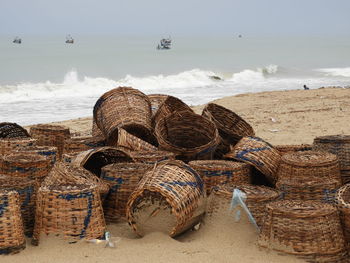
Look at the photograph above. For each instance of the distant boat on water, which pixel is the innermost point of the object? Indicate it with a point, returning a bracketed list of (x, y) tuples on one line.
[(17, 40), (69, 39), (165, 43)]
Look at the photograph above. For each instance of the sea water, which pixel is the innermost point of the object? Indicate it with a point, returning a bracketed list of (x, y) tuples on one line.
[(44, 79)]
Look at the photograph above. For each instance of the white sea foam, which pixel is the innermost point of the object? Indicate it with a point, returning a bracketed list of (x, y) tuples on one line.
[(336, 72)]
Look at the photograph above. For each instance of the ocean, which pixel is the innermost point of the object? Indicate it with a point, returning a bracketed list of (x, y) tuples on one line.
[(44, 79)]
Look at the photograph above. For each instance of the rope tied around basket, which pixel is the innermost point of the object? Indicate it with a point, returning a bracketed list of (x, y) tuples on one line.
[(238, 199), (241, 155), (89, 196), (3, 205), (228, 174)]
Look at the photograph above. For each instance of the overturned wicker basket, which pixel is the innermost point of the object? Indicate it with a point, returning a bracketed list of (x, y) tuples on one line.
[(218, 172), (169, 199), (259, 153), (79, 144), (49, 152), (131, 142), (9, 145), (307, 228), (11, 227), (188, 135), (151, 157), (122, 179), (12, 130)]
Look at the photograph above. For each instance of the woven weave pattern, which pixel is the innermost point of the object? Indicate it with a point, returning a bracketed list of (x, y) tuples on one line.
[(151, 157), (9, 145), (12, 130), (217, 172), (171, 196), (343, 203), (49, 152), (79, 144), (287, 148), (11, 226), (131, 142)]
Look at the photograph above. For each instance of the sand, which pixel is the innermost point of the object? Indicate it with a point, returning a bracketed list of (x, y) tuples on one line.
[(280, 117)]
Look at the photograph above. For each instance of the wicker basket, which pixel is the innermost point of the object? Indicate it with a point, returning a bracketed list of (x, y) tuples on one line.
[(345, 176), (259, 153), (26, 189), (188, 135), (95, 131), (343, 203), (73, 211), (131, 142), (303, 228), (79, 144), (287, 148), (122, 179), (258, 197), (218, 172), (49, 152), (169, 199), (12, 130), (69, 157), (51, 135), (11, 227), (151, 157), (169, 105), (9, 145), (156, 100), (31, 165), (93, 160), (127, 108)]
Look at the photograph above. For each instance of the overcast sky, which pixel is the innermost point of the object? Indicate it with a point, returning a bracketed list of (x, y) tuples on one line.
[(176, 17)]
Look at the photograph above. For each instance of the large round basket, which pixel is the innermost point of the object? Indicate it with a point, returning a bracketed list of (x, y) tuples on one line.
[(188, 135), (122, 179), (151, 157), (258, 197), (73, 211), (303, 228), (156, 100), (129, 141), (168, 199), (127, 108), (169, 105), (31, 165), (287, 148), (49, 152), (50, 135), (259, 153), (79, 144), (11, 227), (9, 145), (93, 160), (25, 187), (343, 203), (218, 172), (12, 130)]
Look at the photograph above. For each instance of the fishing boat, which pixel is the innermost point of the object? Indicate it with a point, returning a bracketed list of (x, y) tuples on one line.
[(17, 40), (165, 43), (69, 39)]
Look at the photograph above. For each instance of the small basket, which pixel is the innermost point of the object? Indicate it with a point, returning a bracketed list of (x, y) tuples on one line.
[(287, 148), (259, 153), (12, 130), (73, 211), (9, 145), (127, 108), (188, 135), (129, 141), (307, 228), (50, 135), (30, 165), (25, 187), (93, 160), (11, 227), (169, 105), (257, 198), (156, 100), (122, 179), (218, 172), (79, 144), (151, 157), (169, 199), (49, 152)]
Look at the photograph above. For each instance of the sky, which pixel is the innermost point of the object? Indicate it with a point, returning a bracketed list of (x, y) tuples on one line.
[(177, 17)]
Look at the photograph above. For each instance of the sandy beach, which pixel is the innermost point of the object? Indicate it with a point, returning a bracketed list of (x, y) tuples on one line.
[(280, 117)]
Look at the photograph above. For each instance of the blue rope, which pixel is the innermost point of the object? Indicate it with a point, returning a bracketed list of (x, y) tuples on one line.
[(228, 174), (23, 170), (3, 205), (241, 155), (28, 191)]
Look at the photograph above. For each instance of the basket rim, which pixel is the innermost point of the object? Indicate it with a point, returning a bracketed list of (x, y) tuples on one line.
[(338, 138), (217, 164), (286, 158)]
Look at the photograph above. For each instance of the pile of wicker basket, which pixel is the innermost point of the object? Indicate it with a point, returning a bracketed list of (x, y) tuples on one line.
[(154, 163)]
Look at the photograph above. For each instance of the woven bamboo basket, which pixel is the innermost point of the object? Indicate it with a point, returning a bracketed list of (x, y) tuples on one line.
[(51, 135), (25, 187), (345, 176), (151, 157), (169, 105), (12, 130), (126, 108), (69, 157), (72, 211), (131, 142), (168, 199), (188, 135), (156, 100), (9, 145), (31, 165), (259, 153), (258, 197), (79, 144), (93, 160), (122, 179), (49, 152), (218, 172), (287, 148), (303, 228), (336, 144), (95, 131), (11, 226), (343, 204)]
